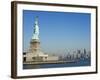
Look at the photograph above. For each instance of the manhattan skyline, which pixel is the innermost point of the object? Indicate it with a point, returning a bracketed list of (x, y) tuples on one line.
[(59, 31)]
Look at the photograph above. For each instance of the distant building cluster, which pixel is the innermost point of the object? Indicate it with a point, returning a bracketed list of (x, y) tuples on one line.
[(76, 55)]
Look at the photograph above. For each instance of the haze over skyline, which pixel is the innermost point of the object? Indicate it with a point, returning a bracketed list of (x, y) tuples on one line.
[(60, 32)]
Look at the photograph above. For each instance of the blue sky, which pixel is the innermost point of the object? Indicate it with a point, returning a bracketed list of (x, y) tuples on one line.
[(59, 31)]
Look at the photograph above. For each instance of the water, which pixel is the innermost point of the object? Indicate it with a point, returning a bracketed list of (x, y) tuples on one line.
[(86, 62)]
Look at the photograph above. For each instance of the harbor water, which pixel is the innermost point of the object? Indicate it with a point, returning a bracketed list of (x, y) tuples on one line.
[(79, 63)]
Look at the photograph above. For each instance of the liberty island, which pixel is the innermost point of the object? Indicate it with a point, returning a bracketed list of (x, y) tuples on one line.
[(34, 54)]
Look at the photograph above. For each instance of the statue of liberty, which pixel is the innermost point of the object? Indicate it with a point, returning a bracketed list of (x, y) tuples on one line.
[(36, 29)]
